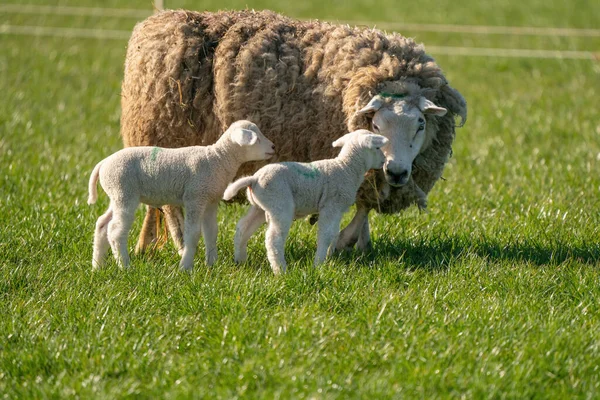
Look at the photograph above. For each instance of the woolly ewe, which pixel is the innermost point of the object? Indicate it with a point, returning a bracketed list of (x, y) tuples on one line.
[(190, 74), (284, 191), (193, 177)]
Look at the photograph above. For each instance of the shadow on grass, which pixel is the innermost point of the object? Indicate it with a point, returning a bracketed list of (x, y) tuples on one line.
[(440, 253)]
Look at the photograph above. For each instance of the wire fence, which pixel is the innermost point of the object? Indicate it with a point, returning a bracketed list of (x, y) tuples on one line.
[(96, 33)]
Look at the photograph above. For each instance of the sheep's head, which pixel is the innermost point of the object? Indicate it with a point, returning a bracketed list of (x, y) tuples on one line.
[(402, 119), (247, 135), (369, 145)]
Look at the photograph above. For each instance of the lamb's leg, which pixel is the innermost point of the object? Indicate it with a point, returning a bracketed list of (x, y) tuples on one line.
[(118, 230), (209, 232), (244, 230), (275, 237), (350, 234), (364, 237), (175, 222), (191, 234), (101, 244), (329, 227), (148, 233)]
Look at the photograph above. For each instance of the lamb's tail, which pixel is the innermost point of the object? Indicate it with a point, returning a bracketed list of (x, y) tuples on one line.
[(235, 187), (93, 190)]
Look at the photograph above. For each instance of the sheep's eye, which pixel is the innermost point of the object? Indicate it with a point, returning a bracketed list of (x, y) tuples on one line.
[(376, 127)]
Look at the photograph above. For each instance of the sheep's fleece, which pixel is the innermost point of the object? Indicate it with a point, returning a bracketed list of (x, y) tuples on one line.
[(188, 75)]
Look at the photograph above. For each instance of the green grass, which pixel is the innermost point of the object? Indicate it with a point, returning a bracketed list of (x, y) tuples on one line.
[(493, 293)]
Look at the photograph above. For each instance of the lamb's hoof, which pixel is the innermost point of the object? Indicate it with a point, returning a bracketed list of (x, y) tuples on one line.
[(186, 268), (240, 258), (279, 271)]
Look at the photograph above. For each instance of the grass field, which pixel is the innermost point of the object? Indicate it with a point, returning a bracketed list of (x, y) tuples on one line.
[(494, 293)]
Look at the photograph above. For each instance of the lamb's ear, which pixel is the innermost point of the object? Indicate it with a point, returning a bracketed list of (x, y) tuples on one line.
[(372, 141), (427, 107), (373, 105), (244, 137), (342, 141)]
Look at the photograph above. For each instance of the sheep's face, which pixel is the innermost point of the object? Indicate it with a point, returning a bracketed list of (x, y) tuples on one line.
[(403, 122), (256, 146), (369, 144)]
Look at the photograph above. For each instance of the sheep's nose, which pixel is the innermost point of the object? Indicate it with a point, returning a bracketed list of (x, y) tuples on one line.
[(273, 147), (397, 177)]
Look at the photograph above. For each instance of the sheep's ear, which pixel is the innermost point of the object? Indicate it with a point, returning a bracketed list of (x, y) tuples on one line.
[(427, 107), (373, 105), (342, 141), (372, 141), (244, 137)]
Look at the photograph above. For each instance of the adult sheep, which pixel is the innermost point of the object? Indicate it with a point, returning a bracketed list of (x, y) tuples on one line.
[(189, 75)]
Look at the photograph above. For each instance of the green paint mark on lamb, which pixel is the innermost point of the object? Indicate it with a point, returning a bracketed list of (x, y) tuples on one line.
[(306, 170), (154, 153)]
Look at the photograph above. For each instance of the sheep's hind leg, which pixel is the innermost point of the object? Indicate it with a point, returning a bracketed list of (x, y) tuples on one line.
[(275, 238), (101, 244), (118, 230), (175, 221), (148, 234), (350, 234), (191, 234), (244, 230), (329, 227), (209, 232), (364, 237)]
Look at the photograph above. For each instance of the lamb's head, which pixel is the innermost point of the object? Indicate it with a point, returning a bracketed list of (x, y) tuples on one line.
[(367, 144), (254, 144), (402, 119)]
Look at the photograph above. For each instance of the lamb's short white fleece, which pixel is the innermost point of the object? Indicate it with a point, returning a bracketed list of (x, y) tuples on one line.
[(281, 192), (193, 177)]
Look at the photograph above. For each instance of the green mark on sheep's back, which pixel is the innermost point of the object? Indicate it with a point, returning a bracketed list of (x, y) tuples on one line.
[(154, 153), (306, 170)]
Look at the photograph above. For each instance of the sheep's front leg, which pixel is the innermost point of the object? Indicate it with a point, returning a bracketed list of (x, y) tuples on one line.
[(364, 237), (244, 230), (191, 234), (350, 234), (275, 237), (209, 232), (329, 227), (175, 221)]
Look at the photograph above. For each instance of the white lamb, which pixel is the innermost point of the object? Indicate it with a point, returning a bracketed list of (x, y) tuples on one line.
[(281, 192), (193, 177)]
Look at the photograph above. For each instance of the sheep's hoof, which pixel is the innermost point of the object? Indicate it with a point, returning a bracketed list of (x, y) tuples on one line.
[(185, 268), (345, 244), (364, 247)]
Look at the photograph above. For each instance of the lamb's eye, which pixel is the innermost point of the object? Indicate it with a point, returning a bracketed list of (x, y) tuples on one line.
[(376, 127)]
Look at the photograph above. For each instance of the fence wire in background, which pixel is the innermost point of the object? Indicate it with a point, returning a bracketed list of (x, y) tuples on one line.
[(92, 33)]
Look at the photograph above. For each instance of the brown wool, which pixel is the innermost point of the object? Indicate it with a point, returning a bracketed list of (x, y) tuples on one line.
[(189, 75)]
